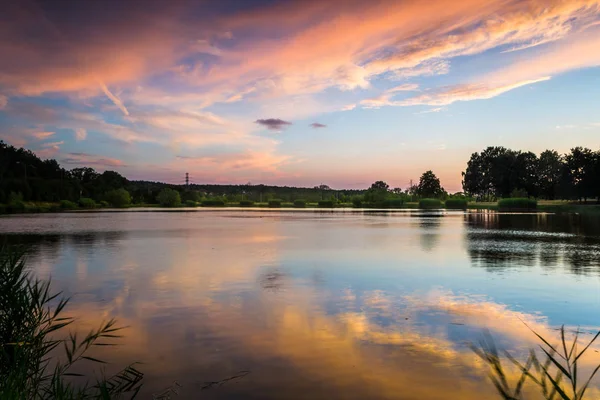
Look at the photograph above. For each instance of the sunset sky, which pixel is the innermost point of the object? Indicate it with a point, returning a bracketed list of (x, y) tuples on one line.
[(340, 92)]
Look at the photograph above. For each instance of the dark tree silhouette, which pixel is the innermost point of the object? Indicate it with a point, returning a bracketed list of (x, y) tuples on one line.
[(429, 186)]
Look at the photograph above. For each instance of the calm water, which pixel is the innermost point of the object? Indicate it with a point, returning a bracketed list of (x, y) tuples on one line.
[(312, 305)]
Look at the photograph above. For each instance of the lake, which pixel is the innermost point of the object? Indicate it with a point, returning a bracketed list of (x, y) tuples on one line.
[(318, 304)]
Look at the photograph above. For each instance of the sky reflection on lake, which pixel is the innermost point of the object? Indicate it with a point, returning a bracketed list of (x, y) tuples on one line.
[(319, 305)]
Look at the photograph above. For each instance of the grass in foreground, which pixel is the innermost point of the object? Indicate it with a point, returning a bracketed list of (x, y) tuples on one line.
[(556, 374), (29, 324)]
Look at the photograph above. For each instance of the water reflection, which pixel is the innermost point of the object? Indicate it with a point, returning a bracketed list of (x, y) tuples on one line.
[(429, 232), (497, 241), (319, 306)]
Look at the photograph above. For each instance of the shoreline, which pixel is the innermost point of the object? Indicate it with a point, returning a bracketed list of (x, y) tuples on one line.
[(554, 208)]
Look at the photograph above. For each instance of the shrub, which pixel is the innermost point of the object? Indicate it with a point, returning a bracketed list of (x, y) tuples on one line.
[(104, 203), (169, 198), (246, 203), (299, 203), (86, 202), (213, 203), (391, 203), (430, 204), (357, 202), (326, 203), (118, 198), (456, 204), (191, 203), (517, 204), (67, 205), (275, 203), (15, 202)]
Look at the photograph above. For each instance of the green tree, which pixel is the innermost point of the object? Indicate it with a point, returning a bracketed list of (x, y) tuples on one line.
[(549, 169), (579, 169), (118, 198), (429, 186), (378, 192), (168, 198)]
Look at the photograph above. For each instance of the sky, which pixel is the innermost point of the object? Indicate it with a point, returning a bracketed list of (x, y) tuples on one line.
[(338, 92)]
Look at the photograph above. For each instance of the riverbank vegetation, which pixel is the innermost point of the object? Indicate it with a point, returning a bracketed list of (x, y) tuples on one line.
[(35, 362), (554, 370), (493, 179)]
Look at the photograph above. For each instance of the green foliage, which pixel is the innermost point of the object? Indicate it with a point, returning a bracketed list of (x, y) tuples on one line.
[(246, 203), (299, 203), (191, 203), (118, 198), (456, 203), (67, 205), (15, 202), (555, 374), (357, 201), (326, 203), (168, 198), (216, 202), (429, 186), (103, 203), (430, 204), (390, 203), (30, 324), (86, 202), (377, 193), (519, 193), (517, 204), (274, 203)]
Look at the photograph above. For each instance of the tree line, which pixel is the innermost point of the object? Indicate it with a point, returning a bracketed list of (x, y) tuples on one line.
[(498, 172)]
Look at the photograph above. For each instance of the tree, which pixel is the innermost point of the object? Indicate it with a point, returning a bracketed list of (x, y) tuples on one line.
[(378, 192), (579, 170), (118, 197), (549, 171), (169, 198), (429, 186)]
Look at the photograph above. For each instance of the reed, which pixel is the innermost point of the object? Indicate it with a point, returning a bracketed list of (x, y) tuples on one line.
[(557, 374), (30, 321)]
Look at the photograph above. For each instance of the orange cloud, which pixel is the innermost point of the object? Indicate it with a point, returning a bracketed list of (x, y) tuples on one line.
[(464, 92), (43, 135), (91, 160)]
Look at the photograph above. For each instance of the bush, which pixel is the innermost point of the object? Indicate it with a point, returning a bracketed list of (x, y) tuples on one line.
[(390, 203), (15, 202), (246, 203), (456, 204), (299, 203), (67, 205), (517, 204), (213, 203), (86, 202), (275, 203), (430, 204), (103, 203), (357, 202), (326, 203), (118, 198), (169, 198), (191, 203)]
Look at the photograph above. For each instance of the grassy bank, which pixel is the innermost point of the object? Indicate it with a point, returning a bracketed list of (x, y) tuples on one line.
[(550, 206)]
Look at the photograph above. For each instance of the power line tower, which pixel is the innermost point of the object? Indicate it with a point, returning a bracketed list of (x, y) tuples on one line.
[(187, 180)]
